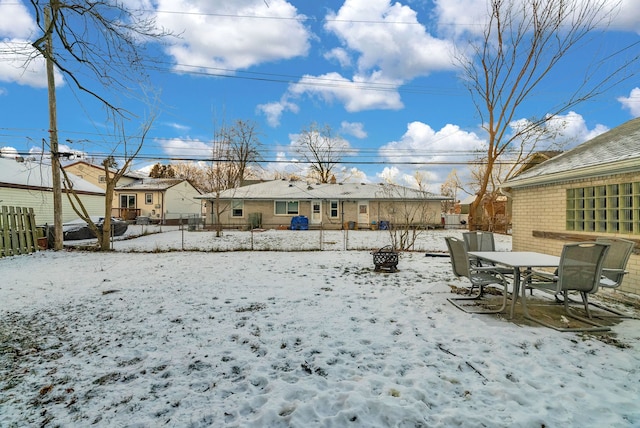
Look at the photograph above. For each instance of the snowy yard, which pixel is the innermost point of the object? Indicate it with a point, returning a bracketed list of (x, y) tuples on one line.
[(150, 336)]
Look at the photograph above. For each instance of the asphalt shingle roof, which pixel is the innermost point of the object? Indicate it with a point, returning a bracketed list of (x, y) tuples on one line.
[(38, 175), (151, 184), (598, 155), (302, 190)]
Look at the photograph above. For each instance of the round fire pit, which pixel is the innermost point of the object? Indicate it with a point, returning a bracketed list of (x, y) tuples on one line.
[(385, 259)]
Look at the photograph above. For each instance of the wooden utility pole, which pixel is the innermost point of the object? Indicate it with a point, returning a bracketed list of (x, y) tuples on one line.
[(56, 182)]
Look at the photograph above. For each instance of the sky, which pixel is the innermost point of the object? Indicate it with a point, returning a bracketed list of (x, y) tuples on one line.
[(380, 74), (148, 335)]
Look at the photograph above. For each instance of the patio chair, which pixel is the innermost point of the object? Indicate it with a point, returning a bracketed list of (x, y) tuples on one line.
[(614, 267), (479, 241), (580, 270), (615, 263), (479, 276), (482, 241)]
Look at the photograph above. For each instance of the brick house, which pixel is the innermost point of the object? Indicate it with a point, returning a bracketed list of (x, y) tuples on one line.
[(272, 204), (590, 191)]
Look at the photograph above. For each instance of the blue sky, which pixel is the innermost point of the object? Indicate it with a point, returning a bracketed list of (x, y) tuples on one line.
[(379, 73)]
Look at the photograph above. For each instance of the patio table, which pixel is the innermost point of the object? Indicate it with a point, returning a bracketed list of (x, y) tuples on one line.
[(518, 260)]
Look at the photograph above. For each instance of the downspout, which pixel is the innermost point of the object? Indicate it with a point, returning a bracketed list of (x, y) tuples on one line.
[(162, 221), (508, 209)]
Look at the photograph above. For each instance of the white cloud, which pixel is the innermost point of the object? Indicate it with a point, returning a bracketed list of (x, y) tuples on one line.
[(340, 55), (573, 129), (628, 15), (19, 64), (15, 20), (223, 35), (273, 111), (425, 148), (456, 18), (185, 147), (563, 132), (355, 129), (389, 174), (389, 40), (178, 126), (387, 47), (632, 102), (357, 95)]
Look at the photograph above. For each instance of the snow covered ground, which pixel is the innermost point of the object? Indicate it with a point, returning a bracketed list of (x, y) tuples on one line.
[(151, 336)]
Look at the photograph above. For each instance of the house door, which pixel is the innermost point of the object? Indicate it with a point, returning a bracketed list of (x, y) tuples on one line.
[(128, 207), (363, 214), (316, 212)]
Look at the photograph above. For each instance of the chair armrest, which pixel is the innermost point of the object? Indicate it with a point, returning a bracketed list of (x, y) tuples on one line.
[(540, 280), (615, 271), (542, 275)]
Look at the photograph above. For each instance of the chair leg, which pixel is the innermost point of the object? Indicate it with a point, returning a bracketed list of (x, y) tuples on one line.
[(585, 300), (454, 302), (594, 326)]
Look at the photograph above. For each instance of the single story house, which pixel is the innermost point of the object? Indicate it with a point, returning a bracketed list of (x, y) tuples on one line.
[(273, 204), (590, 191), (28, 183), (163, 200)]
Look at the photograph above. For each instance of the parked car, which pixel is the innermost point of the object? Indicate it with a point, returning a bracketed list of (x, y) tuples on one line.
[(79, 229)]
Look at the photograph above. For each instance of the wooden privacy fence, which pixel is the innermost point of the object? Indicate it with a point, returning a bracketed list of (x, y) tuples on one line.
[(18, 231)]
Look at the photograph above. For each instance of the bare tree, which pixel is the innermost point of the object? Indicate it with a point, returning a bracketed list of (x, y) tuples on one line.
[(112, 172), (450, 188), (409, 212), (219, 175), (95, 45), (523, 43), (235, 150), (321, 150), (245, 145), (193, 172)]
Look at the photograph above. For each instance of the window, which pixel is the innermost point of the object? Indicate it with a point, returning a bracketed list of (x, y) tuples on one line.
[(102, 179), (333, 209), (613, 208), (127, 201), (148, 198), (237, 208), (286, 207)]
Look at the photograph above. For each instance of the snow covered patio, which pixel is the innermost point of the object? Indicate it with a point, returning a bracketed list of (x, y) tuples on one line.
[(287, 339)]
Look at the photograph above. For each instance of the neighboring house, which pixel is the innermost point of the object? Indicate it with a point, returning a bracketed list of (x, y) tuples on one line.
[(592, 190), (28, 184), (163, 200), (328, 205), (95, 174)]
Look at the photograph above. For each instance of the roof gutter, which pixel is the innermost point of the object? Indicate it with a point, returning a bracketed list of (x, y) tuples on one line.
[(619, 167)]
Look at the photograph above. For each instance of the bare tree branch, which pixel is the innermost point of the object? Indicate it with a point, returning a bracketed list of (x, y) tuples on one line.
[(523, 43)]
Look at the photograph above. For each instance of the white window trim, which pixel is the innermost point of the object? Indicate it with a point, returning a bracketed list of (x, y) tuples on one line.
[(337, 208), (275, 211), (234, 205)]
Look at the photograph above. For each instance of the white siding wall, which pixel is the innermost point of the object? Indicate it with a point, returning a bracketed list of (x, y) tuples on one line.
[(42, 203), (179, 201)]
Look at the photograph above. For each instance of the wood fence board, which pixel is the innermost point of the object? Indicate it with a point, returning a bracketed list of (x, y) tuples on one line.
[(18, 231)]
